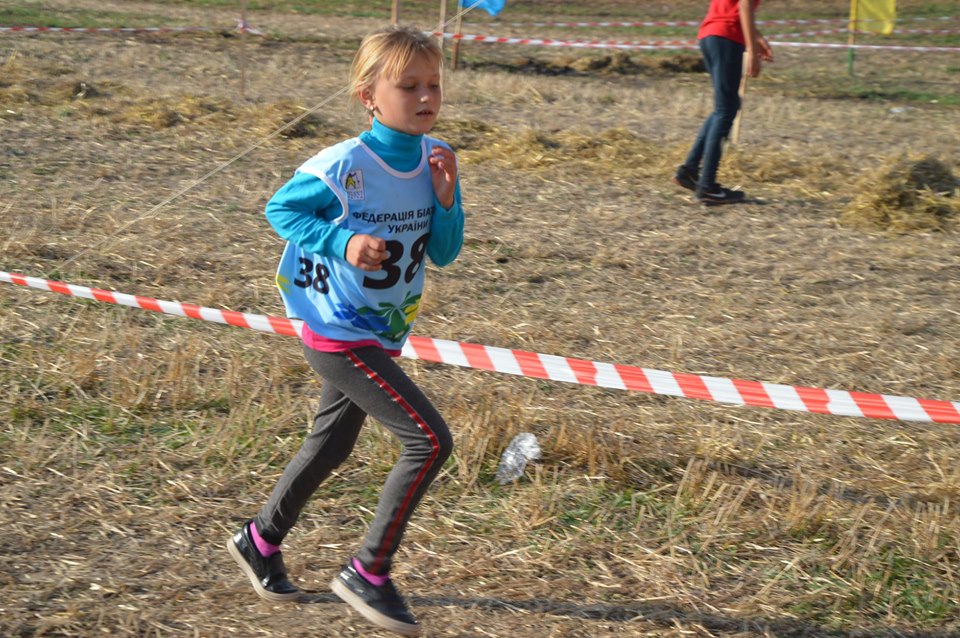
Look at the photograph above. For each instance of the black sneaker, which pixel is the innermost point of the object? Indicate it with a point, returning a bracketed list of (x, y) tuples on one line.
[(717, 194), (268, 575), (383, 605), (685, 177)]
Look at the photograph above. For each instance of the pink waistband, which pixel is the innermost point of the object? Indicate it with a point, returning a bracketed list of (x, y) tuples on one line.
[(324, 344)]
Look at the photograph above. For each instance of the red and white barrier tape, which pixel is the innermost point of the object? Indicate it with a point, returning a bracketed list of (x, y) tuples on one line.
[(901, 18), (99, 29), (579, 44), (687, 44), (671, 44), (691, 23), (643, 23), (811, 34), (570, 370), (240, 319), (875, 47), (241, 26)]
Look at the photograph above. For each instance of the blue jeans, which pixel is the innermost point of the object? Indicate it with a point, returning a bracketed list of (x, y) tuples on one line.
[(724, 62)]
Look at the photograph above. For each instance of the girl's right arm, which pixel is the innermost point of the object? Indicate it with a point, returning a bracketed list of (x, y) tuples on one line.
[(301, 212)]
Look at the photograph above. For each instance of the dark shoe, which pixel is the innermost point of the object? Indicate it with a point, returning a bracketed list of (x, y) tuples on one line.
[(268, 575), (685, 177), (717, 194), (383, 605)]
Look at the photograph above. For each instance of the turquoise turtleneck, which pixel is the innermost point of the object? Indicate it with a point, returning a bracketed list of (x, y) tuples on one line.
[(399, 150), (301, 209)]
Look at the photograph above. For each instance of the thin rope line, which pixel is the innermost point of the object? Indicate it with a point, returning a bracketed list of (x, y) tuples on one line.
[(200, 180)]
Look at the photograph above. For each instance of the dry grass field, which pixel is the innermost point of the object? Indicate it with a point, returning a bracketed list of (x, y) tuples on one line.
[(133, 444)]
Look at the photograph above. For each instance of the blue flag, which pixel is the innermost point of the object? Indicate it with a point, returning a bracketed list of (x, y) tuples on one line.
[(493, 7)]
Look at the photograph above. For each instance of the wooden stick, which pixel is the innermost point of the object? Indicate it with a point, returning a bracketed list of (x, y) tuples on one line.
[(442, 27), (395, 12), (852, 37), (742, 91), (455, 56)]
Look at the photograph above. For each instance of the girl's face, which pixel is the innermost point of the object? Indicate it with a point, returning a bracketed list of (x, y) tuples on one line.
[(409, 103)]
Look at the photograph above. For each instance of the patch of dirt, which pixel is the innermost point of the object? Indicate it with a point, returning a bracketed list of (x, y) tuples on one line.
[(619, 64)]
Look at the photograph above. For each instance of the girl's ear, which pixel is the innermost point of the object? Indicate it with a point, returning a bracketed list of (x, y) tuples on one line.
[(366, 98)]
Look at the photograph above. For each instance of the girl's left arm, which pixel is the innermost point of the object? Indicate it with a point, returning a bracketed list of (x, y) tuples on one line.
[(446, 230)]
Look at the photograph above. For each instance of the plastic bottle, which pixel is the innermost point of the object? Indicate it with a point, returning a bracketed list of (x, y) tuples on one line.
[(522, 448)]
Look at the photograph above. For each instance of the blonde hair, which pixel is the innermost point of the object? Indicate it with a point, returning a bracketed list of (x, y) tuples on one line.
[(386, 52)]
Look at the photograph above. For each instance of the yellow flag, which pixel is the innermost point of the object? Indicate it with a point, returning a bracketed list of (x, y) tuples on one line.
[(873, 16)]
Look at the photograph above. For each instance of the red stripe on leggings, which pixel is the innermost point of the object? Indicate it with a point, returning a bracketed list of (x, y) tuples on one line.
[(386, 387)]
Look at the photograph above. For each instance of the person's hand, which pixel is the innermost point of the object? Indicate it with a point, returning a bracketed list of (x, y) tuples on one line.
[(366, 252), (759, 51), (763, 47), (443, 172)]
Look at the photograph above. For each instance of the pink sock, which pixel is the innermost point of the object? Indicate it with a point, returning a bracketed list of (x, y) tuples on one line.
[(373, 579), (266, 549)]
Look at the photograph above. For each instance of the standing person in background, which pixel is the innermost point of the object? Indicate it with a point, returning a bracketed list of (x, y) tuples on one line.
[(727, 32), (360, 218)]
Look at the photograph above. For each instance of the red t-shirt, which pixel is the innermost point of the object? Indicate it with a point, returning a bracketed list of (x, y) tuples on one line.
[(723, 19)]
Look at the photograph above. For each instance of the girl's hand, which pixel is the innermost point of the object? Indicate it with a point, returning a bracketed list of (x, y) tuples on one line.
[(443, 172), (366, 252)]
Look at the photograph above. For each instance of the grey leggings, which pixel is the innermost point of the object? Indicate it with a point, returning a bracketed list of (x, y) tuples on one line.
[(357, 383)]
